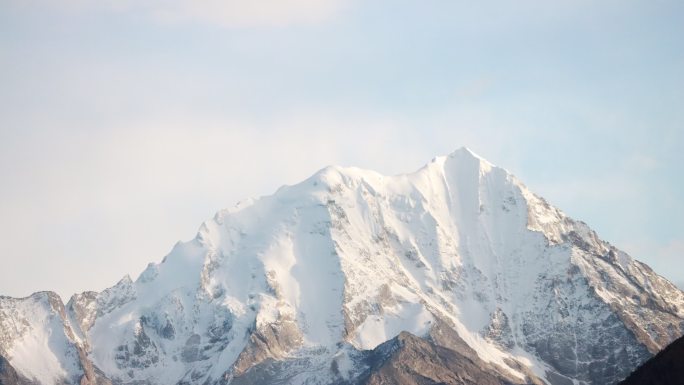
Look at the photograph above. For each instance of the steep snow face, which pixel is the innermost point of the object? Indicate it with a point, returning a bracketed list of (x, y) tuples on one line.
[(36, 340), (346, 260)]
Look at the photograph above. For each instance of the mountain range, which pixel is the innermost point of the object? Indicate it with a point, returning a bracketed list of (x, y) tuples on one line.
[(453, 274)]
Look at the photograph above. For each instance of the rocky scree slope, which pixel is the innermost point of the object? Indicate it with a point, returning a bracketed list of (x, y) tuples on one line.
[(455, 274)]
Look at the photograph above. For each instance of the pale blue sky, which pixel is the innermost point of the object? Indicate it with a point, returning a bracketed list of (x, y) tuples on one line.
[(125, 124)]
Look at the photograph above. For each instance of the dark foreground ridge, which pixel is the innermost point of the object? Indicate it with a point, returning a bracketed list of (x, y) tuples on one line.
[(666, 368)]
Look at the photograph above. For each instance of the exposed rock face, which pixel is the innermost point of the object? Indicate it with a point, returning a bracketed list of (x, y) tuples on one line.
[(441, 357), (666, 368), (499, 330), (316, 283), (408, 360), (82, 308), (40, 345), (9, 376), (272, 341)]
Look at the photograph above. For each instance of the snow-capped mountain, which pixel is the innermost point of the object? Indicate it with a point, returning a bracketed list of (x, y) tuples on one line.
[(455, 273)]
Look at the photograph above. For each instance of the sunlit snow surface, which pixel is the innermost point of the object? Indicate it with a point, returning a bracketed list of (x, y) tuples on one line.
[(347, 259), (39, 343)]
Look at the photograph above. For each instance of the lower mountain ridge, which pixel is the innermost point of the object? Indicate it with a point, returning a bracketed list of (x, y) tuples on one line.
[(453, 274)]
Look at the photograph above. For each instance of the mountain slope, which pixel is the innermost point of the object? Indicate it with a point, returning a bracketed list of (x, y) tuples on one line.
[(8, 375), (666, 368), (37, 337), (313, 279)]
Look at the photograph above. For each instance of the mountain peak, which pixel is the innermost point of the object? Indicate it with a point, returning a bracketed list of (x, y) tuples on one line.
[(464, 151), (323, 272)]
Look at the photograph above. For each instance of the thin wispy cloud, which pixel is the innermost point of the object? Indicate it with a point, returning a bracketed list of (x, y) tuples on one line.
[(223, 13)]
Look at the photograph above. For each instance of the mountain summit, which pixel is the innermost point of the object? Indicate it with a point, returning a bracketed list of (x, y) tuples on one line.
[(455, 273)]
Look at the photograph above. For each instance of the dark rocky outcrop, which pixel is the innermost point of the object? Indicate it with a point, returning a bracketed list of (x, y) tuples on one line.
[(441, 357), (270, 341), (410, 360), (666, 368), (91, 374)]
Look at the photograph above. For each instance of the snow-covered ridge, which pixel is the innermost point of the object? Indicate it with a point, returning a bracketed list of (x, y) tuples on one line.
[(36, 337), (324, 270)]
